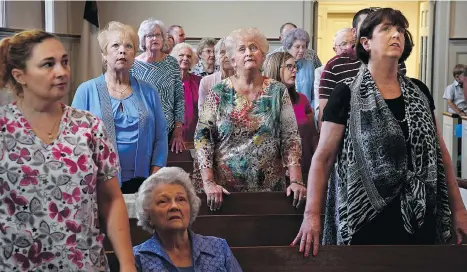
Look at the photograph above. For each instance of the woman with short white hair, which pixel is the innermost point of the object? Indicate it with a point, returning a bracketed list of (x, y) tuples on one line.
[(166, 206), (247, 132), (186, 58), (162, 71)]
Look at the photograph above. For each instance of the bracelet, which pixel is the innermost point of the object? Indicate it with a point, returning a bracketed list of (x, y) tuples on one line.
[(209, 181), (298, 182)]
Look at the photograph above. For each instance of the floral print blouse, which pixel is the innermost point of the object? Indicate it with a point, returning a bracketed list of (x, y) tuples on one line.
[(248, 144), (48, 199)]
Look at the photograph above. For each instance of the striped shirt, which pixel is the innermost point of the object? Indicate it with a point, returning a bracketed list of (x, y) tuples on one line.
[(165, 76), (310, 55), (340, 68)]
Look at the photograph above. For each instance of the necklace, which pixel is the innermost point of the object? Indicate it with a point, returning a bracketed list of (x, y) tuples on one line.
[(50, 133), (120, 92)]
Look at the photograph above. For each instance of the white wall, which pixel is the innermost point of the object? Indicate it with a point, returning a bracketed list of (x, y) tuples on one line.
[(24, 14), (458, 19), (210, 18)]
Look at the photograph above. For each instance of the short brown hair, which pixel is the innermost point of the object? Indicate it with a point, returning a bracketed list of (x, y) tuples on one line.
[(15, 51), (458, 70), (394, 17)]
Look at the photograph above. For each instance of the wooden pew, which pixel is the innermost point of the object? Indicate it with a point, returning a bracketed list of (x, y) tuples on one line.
[(238, 230), (246, 219), (253, 204), (183, 160), (355, 259), (348, 259)]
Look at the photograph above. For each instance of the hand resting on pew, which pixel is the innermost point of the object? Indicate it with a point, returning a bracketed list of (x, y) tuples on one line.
[(388, 186)]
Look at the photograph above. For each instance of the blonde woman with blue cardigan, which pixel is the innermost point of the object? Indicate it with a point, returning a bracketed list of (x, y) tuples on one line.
[(130, 108)]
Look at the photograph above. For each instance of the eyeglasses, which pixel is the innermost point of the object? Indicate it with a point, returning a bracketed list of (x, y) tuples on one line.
[(209, 51), (290, 67), (345, 43), (157, 36)]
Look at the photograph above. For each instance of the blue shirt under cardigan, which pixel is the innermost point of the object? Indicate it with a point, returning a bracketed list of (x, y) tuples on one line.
[(305, 79), (126, 119), (152, 145), (210, 254)]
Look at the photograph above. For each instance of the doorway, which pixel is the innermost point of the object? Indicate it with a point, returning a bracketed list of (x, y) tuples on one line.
[(333, 15)]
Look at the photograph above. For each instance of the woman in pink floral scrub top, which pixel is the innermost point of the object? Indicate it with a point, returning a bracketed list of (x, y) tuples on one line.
[(57, 168)]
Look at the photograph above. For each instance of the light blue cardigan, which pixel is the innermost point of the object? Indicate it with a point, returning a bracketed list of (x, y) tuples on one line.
[(152, 145)]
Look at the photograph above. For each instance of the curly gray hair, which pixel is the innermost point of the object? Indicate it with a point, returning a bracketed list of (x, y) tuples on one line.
[(147, 27), (166, 175), (178, 47), (295, 34), (245, 34)]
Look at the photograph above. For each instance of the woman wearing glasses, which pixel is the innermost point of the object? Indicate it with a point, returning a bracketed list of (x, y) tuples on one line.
[(296, 42), (162, 71), (281, 66), (247, 132), (205, 52)]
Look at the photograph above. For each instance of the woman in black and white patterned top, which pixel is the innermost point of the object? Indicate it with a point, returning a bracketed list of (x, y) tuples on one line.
[(393, 181), (162, 70)]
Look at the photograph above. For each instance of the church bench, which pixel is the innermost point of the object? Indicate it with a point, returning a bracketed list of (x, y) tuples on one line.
[(355, 259), (245, 219), (238, 230), (183, 160), (347, 259), (253, 204)]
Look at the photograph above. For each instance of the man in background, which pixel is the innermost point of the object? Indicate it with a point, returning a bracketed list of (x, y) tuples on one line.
[(344, 40), (177, 33), (344, 66)]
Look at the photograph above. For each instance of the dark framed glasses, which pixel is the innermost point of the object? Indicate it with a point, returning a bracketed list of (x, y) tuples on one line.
[(290, 67)]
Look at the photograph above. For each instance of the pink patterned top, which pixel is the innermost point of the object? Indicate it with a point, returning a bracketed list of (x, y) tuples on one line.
[(48, 199)]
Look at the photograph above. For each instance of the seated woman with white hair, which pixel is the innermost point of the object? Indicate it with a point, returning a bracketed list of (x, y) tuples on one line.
[(166, 206), (186, 58), (247, 133)]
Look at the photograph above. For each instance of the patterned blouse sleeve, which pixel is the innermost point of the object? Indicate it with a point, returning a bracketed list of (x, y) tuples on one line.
[(291, 146), (231, 263), (205, 131), (179, 98), (104, 154)]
